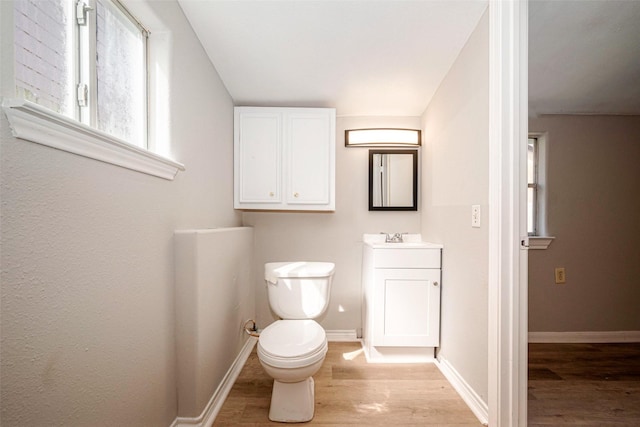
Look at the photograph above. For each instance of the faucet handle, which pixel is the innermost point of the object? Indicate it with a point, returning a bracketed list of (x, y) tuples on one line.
[(388, 237), (397, 237)]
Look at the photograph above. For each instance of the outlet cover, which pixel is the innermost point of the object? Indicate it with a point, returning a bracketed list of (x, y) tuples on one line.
[(560, 275), (475, 216)]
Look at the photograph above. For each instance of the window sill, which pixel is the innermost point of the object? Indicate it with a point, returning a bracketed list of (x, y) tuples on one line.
[(34, 123), (540, 242)]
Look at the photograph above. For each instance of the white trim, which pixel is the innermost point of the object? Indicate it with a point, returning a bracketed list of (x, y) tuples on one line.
[(478, 406), (540, 242), (375, 354), (342, 335), (507, 292), (585, 337), (34, 123), (210, 412)]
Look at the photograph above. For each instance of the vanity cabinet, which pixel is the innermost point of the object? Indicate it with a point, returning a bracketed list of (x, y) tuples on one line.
[(401, 310), (284, 158)]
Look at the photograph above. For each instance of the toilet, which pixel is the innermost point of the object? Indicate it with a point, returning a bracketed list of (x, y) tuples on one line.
[(291, 350)]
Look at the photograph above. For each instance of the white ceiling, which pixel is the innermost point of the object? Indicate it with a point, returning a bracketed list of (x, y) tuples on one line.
[(375, 57), (584, 57), (388, 57)]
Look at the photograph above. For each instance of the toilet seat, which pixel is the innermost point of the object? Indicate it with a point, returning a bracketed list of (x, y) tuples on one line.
[(292, 343)]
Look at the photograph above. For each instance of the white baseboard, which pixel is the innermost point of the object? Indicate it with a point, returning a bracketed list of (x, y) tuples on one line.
[(584, 337), (479, 407), (210, 412), (342, 335)]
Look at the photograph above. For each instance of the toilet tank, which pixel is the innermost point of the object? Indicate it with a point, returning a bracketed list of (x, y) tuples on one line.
[(298, 290)]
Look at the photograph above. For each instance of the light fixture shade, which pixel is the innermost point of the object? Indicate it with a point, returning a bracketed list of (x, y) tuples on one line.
[(382, 137)]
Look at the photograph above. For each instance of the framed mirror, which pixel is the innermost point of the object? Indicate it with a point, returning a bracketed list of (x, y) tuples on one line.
[(393, 180)]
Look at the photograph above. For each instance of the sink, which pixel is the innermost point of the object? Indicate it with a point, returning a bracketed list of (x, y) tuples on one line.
[(401, 299), (411, 241)]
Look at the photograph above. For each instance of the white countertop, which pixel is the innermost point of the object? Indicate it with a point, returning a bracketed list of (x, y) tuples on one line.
[(410, 241)]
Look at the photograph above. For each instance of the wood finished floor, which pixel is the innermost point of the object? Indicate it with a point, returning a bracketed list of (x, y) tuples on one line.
[(349, 392), (584, 384)]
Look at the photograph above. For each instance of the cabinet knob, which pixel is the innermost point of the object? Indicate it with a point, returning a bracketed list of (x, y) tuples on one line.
[(295, 194), (435, 283), (271, 194)]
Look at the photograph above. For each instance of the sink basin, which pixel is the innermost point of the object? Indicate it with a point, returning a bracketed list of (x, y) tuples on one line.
[(411, 241)]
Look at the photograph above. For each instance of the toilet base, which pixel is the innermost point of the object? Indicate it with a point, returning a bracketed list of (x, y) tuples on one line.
[(292, 402)]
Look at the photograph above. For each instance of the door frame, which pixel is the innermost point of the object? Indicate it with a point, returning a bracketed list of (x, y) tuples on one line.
[(507, 293)]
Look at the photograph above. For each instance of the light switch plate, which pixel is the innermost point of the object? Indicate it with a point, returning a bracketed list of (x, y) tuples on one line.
[(475, 216)]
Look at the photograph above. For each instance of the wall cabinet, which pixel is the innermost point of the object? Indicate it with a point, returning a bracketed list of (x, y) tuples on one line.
[(401, 285), (284, 158)]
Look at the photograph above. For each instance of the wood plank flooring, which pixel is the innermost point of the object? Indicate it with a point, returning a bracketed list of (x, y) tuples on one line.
[(584, 384), (349, 391)]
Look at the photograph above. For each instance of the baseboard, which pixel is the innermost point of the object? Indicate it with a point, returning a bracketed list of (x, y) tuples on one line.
[(584, 337), (342, 335), (479, 407), (210, 412)]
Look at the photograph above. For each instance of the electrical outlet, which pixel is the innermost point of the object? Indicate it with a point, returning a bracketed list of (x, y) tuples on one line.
[(475, 216), (560, 275)]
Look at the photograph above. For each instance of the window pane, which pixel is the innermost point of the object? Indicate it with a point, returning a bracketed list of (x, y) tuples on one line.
[(121, 71), (531, 159), (532, 181), (43, 53), (531, 210)]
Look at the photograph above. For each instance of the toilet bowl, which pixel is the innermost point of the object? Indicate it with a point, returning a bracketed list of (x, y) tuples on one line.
[(292, 350)]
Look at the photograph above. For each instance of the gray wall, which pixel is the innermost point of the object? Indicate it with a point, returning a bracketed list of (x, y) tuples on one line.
[(87, 297), (214, 296), (593, 176), (455, 177)]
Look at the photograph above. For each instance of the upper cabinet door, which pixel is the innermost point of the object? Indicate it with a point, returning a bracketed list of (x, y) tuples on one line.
[(310, 150), (257, 157), (284, 158)]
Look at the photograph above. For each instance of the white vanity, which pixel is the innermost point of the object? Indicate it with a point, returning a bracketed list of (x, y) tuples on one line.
[(401, 307)]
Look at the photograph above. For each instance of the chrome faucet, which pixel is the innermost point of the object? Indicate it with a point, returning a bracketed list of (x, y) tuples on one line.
[(395, 238)]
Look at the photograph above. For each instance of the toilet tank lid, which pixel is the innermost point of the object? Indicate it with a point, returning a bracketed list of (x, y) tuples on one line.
[(275, 270)]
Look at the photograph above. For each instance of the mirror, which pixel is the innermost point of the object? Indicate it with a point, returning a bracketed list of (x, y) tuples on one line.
[(393, 180)]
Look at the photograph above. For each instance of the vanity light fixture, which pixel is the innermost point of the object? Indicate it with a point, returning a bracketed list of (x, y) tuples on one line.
[(382, 137)]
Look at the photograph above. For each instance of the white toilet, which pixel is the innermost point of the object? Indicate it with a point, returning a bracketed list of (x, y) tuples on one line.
[(291, 350)]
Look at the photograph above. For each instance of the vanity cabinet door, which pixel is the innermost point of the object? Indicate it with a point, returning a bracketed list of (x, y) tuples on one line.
[(407, 308)]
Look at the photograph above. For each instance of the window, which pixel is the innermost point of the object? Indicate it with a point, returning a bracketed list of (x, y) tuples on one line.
[(81, 81), (43, 53), (85, 60), (532, 186), (536, 192)]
